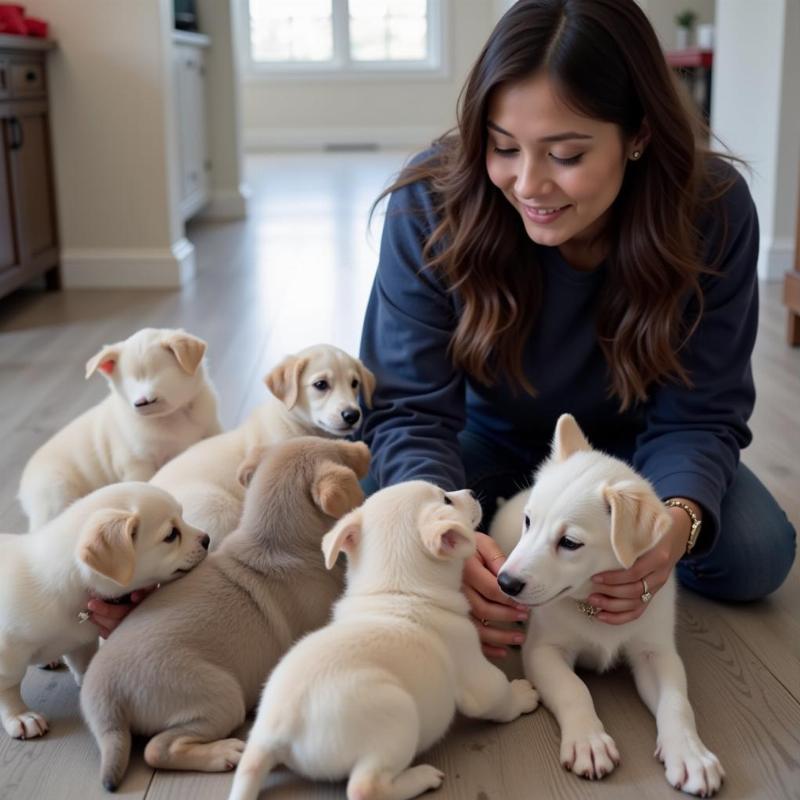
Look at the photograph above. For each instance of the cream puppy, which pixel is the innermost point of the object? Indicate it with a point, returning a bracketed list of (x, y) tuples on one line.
[(117, 539), (315, 392), (382, 682), (160, 402), (191, 662), (588, 513)]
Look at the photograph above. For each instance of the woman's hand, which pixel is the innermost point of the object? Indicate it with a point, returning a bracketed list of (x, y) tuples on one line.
[(108, 615), (487, 601), (619, 593)]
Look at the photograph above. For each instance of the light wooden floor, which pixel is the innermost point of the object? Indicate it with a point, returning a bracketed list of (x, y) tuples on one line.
[(298, 271)]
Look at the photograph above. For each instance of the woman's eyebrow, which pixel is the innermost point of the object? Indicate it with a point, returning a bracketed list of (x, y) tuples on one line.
[(556, 137)]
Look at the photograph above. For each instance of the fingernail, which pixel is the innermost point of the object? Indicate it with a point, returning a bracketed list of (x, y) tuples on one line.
[(522, 617), (522, 608), (91, 605), (518, 638), (598, 579)]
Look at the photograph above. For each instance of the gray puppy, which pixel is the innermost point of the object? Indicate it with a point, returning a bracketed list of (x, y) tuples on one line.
[(187, 665)]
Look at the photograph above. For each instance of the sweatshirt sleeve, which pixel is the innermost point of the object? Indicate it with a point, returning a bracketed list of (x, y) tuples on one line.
[(418, 404), (692, 437)]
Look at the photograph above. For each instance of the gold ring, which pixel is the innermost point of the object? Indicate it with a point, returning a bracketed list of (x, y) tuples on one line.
[(485, 622), (502, 555), (589, 610), (646, 595)]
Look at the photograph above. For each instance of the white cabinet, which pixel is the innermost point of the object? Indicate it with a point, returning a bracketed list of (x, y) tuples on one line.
[(190, 105)]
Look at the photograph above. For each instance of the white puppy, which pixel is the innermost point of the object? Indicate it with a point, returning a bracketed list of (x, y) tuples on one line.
[(381, 683), (161, 402), (588, 513), (118, 539), (315, 392)]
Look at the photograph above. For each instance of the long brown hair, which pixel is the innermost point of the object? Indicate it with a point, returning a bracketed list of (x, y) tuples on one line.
[(605, 61)]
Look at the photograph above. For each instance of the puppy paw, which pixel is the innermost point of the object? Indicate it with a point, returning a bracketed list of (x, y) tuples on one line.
[(225, 755), (424, 777), (589, 754), (526, 698), (28, 725), (690, 766)]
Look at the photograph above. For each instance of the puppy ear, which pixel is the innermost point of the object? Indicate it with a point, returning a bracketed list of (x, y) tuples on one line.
[(447, 539), (105, 360), (248, 467), (106, 544), (187, 349), (638, 519), (367, 384), (357, 456), (344, 535), (336, 489), (284, 380), (568, 438)]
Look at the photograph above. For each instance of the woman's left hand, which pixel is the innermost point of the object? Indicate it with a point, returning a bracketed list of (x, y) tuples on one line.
[(618, 594)]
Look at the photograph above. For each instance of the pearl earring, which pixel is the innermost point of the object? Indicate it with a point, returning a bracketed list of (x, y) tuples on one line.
[(636, 155)]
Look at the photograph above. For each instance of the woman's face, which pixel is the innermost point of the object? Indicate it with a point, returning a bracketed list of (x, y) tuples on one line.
[(561, 171)]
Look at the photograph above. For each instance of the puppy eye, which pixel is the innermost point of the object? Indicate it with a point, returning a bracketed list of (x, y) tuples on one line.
[(447, 501), (527, 522), (173, 535), (569, 544), (320, 386), (354, 384)]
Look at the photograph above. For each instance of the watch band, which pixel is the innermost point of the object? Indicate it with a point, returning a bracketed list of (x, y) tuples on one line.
[(697, 523)]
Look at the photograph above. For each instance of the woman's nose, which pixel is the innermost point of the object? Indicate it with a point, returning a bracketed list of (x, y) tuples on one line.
[(533, 181)]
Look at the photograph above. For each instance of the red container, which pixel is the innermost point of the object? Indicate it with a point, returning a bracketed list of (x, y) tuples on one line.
[(12, 19), (36, 27)]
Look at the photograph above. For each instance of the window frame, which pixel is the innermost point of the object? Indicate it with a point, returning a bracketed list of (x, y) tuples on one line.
[(342, 67)]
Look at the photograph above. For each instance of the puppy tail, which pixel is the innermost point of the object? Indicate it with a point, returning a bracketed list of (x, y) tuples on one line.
[(115, 753), (259, 758)]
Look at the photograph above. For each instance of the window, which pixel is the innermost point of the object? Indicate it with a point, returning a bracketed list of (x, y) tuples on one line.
[(344, 36)]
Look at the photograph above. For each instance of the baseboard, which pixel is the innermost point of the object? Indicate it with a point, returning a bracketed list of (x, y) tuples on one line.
[(226, 204), (775, 258), (129, 268), (411, 138)]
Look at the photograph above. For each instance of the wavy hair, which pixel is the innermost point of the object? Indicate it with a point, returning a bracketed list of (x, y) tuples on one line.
[(605, 61)]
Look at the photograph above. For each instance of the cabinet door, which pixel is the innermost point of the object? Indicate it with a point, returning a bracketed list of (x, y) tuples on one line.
[(8, 240), (32, 189)]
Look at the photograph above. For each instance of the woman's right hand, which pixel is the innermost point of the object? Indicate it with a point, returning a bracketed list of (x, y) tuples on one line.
[(487, 602), (108, 615)]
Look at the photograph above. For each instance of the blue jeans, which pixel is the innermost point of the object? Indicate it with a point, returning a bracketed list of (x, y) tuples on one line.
[(750, 559)]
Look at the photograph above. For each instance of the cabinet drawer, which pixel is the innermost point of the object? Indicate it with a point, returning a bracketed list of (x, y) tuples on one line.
[(27, 79)]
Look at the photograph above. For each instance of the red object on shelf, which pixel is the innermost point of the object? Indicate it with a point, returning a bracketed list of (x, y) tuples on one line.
[(36, 27), (690, 57), (12, 19)]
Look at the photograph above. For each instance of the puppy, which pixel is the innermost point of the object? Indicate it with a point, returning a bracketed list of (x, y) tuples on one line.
[(190, 662), (381, 683), (314, 392), (160, 403), (588, 513), (115, 540)]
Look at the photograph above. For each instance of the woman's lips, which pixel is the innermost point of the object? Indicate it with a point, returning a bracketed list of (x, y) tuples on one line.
[(542, 214)]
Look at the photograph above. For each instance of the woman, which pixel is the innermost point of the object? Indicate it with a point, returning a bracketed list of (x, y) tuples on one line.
[(574, 247)]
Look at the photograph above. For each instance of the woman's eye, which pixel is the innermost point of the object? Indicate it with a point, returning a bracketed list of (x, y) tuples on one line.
[(505, 151), (527, 522), (447, 501), (567, 161), (569, 544), (354, 384), (173, 535), (320, 386)]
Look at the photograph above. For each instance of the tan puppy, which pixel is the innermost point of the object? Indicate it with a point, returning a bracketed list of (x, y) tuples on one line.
[(315, 393), (381, 683), (588, 513), (188, 664), (161, 402), (118, 539)]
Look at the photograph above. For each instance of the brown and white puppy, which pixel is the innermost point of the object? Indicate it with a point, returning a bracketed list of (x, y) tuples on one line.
[(315, 392), (118, 539), (190, 661), (160, 403), (382, 681)]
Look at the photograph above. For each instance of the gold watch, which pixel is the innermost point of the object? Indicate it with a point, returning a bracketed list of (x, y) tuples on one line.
[(697, 523)]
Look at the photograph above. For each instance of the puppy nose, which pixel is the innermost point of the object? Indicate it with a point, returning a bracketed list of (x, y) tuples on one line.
[(351, 415), (509, 584), (143, 401), (205, 542)]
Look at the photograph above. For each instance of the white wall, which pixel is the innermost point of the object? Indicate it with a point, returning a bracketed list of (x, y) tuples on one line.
[(110, 97), (661, 14), (295, 112), (756, 113)]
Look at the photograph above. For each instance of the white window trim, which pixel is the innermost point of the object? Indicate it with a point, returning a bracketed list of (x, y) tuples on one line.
[(436, 67)]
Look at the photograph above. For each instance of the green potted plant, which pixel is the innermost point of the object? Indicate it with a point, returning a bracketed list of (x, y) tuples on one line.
[(685, 22)]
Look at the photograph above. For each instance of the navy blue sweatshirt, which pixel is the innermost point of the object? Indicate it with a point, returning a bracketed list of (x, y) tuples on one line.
[(686, 441)]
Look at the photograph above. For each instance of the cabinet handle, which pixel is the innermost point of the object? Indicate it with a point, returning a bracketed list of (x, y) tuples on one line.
[(16, 134), (2, 79), (30, 75)]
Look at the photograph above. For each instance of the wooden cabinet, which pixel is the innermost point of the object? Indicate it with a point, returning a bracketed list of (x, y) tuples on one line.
[(190, 108), (28, 232)]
